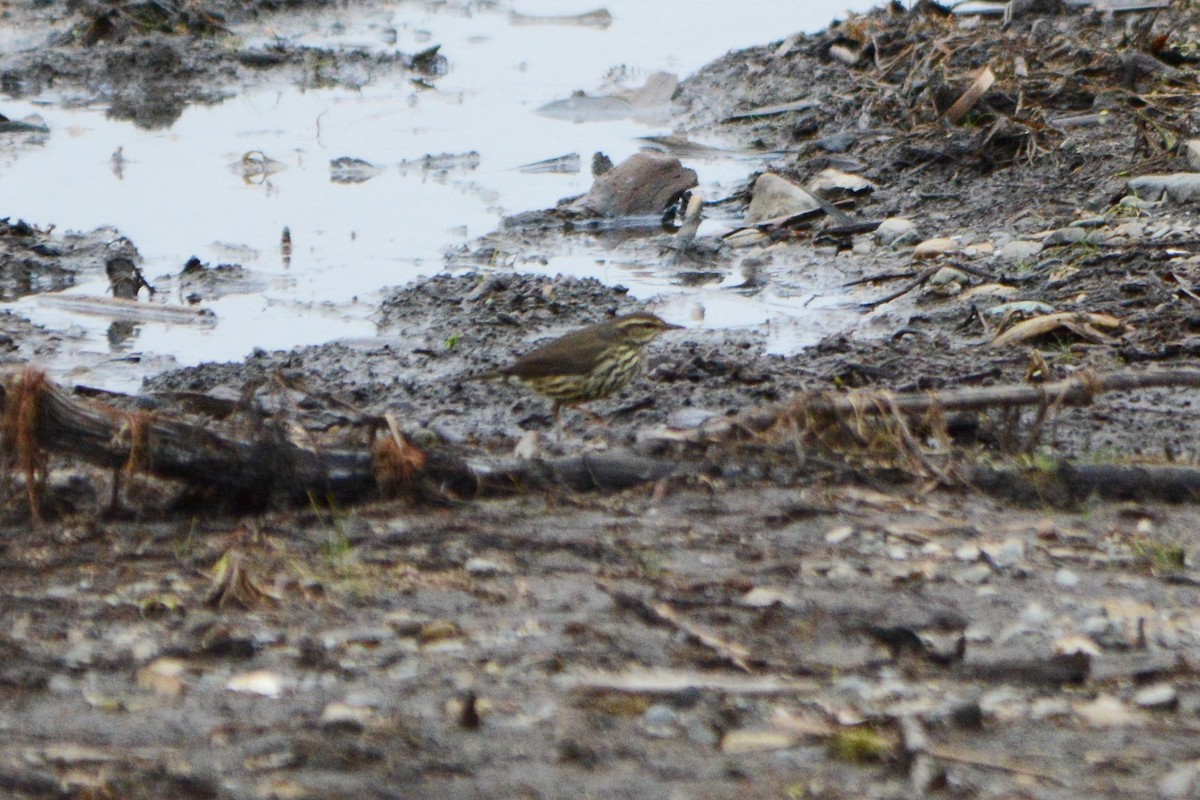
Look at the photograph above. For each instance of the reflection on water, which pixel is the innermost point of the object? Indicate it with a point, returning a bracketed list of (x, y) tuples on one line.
[(328, 195)]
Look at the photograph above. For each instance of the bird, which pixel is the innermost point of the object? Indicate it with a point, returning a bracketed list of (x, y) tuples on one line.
[(587, 364)]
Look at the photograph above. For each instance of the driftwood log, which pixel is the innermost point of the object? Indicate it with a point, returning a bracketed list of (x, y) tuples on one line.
[(272, 469)]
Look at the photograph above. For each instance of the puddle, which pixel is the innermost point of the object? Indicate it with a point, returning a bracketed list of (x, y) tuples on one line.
[(180, 192)]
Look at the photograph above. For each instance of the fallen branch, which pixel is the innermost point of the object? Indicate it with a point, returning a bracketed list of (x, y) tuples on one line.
[(1078, 390), (272, 469)]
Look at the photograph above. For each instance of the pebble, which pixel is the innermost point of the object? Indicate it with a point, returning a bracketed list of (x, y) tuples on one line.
[(1064, 236), (775, 197), (1132, 230), (946, 276), (839, 534), (659, 721), (1191, 151), (1004, 554), (1107, 711), (830, 179), (1019, 250), (1066, 578), (1160, 696), (893, 228), (967, 552), (1180, 782), (931, 248), (980, 573), (485, 567)]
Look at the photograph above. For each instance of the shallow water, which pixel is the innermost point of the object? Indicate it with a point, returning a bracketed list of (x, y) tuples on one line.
[(180, 192)]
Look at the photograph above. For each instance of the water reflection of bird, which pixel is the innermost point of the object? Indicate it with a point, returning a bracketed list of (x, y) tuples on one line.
[(587, 364)]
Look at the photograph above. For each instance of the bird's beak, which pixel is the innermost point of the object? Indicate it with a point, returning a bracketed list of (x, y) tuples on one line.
[(672, 327)]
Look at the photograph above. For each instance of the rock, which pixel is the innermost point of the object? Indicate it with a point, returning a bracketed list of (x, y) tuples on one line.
[(1180, 782), (1067, 236), (485, 567), (892, 229), (835, 181), (644, 184), (1191, 150), (1066, 578), (931, 248), (775, 197), (1132, 230), (1107, 711), (1179, 187), (1008, 553), (1159, 696), (839, 534), (345, 717), (946, 276), (1019, 250)]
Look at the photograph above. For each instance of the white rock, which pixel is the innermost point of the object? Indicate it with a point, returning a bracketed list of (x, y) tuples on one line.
[(1158, 696), (1180, 782), (1064, 236), (835, 180), (1133, 230), (1107, 711), (1004, 554), (1191, 149), (775, 197), (1179, 187), (1066, 578), (839, 534), (1019, 250)]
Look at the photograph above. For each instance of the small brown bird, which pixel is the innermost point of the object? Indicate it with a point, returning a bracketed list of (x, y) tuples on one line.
[(587, 364)]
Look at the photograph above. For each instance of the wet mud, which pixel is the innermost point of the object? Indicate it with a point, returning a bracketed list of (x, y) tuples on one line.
[(800, 618)]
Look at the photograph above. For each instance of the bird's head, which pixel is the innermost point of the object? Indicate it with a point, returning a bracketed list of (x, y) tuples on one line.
[(641, 327)]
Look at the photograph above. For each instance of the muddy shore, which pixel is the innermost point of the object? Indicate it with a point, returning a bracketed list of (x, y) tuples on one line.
[(802, 617)]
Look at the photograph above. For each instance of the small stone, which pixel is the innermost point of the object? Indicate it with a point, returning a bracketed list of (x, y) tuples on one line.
[(1180, 782), (1159, 696), (1066, 578), (1107, 711), (1065, 236), (746, 237), (438, 630), (1130, 230), (967, 552), (260, 682), (839, 534), (980, 573), (1019, 250), (345, 717), (1004, 554), (659, 721), (862, 247), (485, 567), (1191, 151), (931, 248), (834, 180), (947, 275), (774, 197), (892, 228)]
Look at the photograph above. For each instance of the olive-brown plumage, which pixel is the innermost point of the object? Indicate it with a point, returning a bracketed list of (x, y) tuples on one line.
[(587, 364)]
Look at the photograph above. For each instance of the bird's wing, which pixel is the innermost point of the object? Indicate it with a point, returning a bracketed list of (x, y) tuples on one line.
[(569, 354)]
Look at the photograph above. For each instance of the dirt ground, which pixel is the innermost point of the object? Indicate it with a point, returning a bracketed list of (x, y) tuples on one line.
[(789, 615)]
